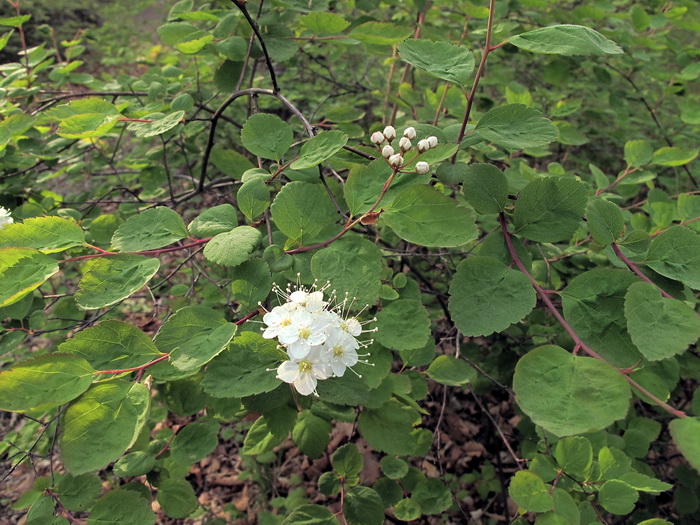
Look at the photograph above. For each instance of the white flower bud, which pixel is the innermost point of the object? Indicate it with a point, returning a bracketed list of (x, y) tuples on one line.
[(387, 151), (390, 133), (396, 160), (423, 146), (377, 138), (405, 144), (422, 167), (432, 141), (409, 133)]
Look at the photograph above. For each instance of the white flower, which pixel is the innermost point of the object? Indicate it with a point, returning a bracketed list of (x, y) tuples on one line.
[(305, 330), (304, 373), (410, 133), (387, 151), (276, 319), (432, 141), (423, 146), (377, 138), (405, 144), (5, 217), (310, 301), (390, 133), (340, 352), (396, 160), (422, 167), (351, 326)]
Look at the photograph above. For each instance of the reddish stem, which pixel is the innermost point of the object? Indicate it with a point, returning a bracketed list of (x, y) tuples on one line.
[(155, 253), (636, 270), (136, 368)]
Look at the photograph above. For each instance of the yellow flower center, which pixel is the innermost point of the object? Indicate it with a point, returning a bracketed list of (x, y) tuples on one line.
[(304, 333), (304, 366), (338, 351)]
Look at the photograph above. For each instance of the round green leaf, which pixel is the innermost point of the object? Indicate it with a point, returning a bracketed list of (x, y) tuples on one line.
[(347, 461), (311, 434), (676, 254), (319, 148), (159, 125), (267, 136), (137, 463), (388, 428), (363, 506), (660, 327), (150, 229), (380, 33), (451, 371), (530, 492), (419, 214), (439, 59), (574, 456), (515, 126), (617, 497), (122, 507), (46, 234), (78, 493), (673, 156), (108, 280), (177, 498), (194, 442), (638, 153), (432, 495), (605, 221), (213, 221), (23, 270), (310, 515), (403, 325), (486, 296), (685, 434), (486, 188), (353, 266), (234, 247), (568, 394), (251, 283), (253, 198), (407, 510), (566, 39), (393, 468), (45, 381), (102, 424), (301, 210)]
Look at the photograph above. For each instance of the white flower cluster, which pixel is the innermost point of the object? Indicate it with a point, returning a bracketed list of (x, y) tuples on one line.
[(396, 160), (5, 217), (320, 341)]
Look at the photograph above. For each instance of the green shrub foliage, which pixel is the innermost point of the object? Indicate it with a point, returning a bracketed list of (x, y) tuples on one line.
[(279, 222)]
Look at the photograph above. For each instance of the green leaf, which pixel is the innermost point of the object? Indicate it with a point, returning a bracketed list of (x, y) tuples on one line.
[(568, 394), (14, 21), (301, 210), (153, 228), (530, 492), (659, 327), (195, 442), (363, 506), (420, 214), (566, 40), (319, 148), (388, 428), (311, 434), (4, 39), (177, 498), (267, 136), (550, 209), (242, 370), (46, 234), (159, 125), (251, 283), (347, 461), (108, 280), (253, 198), (137, 463), (260, 439), (617, 497), (85, 118), (324, 23), (485, 188), (393, 468), (102, 424), (346, 390), (407, 510), (515, 126), (230, 162), (111, 345), (380, 33), (234, 247), (604, 220), (685, 435), (194, 42), (122, 507), (353, 265), (638, 153), (672, 156), (174, 32), (193, 336), (403, 325), (311, 515), (448, 370), (212, 221), (676, 254), (439, 59), (44, 381), (594, 307), (486, 296), (613, 463), (432, 495), (574, 456), (645, 483), (23, 270), (78, 493), (329, 483)]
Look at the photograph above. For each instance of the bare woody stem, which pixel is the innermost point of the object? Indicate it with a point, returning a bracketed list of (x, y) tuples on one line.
[(579, 343), (636, 270), (154, 253), (136, 368)]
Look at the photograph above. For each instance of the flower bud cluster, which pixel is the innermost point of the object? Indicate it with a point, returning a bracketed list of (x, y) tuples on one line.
[(320, 340), (5, 217), (383, 140)]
